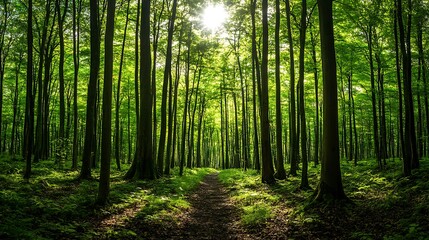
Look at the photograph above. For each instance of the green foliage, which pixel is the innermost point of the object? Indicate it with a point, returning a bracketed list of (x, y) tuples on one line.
[(256, 205), (54, 205), (256, 214), (385, 205)]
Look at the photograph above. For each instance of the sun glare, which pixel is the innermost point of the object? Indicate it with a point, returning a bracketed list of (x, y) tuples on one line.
[(214, 16)]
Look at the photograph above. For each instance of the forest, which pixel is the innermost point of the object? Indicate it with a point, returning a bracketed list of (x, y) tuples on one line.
[(220, 119)]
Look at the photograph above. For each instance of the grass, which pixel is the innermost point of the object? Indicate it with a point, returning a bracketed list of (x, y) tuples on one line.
[(54, 205), (385, 204)]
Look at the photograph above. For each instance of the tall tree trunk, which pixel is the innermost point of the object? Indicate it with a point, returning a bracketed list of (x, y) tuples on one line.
[(373, 98), (293, 152), (255, 84), (185, 110), (61, 18), (91, 121), (132, 170), (29, 102), (118, 92), (267, 161), (75, 81), (200, 120), (330, 185), (424, 77), (316, 91), (303, 29), (145, 166), (106, 142), (408, 152), (167, 81), (281, 173), (398, 76), (156, 27), (227, 160), (172, 118), (15, 107), (38, 151), (237, 158), (3, 56)]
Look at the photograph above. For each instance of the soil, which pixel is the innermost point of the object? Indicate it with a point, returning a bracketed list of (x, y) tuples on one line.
[(212, 216)]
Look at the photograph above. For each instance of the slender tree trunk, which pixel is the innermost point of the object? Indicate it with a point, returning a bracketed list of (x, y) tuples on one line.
[(167, 82), (104, 186), (425, 128), (373, 98), (38, 151), (255, 83), (281, 173), (316, 90), (91, 121), (118, 92), (75, 81), (236, 135), (3, 55), (293, 152), (227, 160), (29, 103), (303, 29), (156, 29), (61, 18), (132, 170), (185, 110), (267, 161), (15, 107), (172, 114), (398, 76), (200, 120), (408, 152)]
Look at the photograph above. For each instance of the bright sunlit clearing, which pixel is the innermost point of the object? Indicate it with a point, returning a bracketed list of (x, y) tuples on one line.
[(214, 16)]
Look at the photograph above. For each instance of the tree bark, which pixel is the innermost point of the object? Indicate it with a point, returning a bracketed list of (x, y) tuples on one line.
[(267, 161), (330, 185), (29, 102), (281, 173), (118, 92), (90, 128), (255, 84), (106, 142), (303, 29), (167, 81), (293, 152)]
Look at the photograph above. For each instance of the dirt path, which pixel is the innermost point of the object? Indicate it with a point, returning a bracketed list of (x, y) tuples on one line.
[(213, 216)]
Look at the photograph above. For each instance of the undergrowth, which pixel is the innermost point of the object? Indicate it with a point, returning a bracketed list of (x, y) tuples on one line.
[(385, 204), (53, 205)]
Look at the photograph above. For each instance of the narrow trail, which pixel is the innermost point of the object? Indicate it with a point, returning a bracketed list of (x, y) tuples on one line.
[(213, 215)]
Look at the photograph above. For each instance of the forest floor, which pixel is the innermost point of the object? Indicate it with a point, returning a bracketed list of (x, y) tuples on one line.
[(210, 204), (212, 215)]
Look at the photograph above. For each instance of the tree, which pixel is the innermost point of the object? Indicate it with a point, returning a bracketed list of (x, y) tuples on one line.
[(145, 168), (293, 142), (267, 161), (281, 173), (303, 29), (88, 147), (167, 81), (118, 93), (255, 84), (106, 142), (29, 102), (75, 82), (330, 179)]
